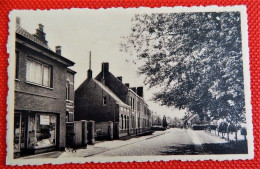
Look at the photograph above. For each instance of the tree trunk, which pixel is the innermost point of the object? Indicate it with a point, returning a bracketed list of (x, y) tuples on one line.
[(228, 136), (236, 135), (245, 137), (222, 134)]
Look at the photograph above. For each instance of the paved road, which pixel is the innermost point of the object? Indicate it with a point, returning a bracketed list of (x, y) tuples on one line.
[(171, 141)]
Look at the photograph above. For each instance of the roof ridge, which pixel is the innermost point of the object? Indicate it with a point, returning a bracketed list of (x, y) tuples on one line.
[(110, 92)]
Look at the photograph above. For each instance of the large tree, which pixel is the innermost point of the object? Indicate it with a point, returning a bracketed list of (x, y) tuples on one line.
[(195, 59)]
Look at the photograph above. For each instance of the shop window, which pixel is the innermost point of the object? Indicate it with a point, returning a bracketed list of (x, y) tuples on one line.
[(45, 130), (17, 131), (38, 73)]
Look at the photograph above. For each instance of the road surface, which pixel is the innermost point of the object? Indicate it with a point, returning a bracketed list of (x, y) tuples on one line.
[(169, 142)]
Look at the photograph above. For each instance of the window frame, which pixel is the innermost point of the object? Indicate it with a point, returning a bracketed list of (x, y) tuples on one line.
[(67, 90), (104, 100), (43, 65)]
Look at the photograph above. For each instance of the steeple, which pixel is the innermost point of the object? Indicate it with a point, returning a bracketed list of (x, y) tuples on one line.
[(89, 70)]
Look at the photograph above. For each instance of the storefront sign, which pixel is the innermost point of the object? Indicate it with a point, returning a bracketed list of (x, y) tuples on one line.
[(44, 120)]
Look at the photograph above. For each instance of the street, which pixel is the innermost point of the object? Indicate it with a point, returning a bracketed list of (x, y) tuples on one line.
[(161, 142), (173, 141)]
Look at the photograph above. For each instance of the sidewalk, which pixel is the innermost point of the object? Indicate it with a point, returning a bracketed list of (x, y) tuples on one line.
[(98, 147), (104, 146)]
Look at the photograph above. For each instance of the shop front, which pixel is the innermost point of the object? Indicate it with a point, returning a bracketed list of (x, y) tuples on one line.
[(34, 133)]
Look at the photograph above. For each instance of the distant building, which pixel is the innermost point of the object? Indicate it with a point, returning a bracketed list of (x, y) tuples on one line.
[(106, 98), (157, 121), (40, 98)]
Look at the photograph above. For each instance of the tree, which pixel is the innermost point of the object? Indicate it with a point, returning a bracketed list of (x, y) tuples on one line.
[(195, 59)]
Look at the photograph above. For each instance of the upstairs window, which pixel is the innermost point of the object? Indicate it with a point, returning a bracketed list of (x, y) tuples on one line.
[(38, 73), (104, 100), (67, 90)]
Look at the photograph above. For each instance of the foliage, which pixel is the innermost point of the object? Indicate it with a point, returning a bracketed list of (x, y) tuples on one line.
[(194, 58)]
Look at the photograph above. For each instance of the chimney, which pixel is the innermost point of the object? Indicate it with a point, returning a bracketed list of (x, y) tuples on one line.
[(40, 34), (18, 21), (119, 78), (58, 50), (133, 88), (140, 91), (89, 70), (89, 74), (105, 66), (127, 85)]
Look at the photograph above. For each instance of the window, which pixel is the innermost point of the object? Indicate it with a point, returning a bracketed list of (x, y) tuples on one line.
[(67, 90), (45, 131), (38, 73), (125, 121), (122, 121), (104, 100), (133, 103), (16, 65), (17, 131)]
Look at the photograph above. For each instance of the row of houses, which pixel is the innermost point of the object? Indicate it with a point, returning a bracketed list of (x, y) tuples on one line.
[(106, 98), (45, 99)]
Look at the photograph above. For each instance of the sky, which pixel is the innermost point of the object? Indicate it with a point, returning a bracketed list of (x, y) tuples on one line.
[(82, 31)]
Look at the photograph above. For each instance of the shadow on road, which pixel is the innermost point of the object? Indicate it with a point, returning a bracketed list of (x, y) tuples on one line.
[(233, 147)]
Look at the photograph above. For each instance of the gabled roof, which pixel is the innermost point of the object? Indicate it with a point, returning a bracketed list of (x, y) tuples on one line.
[(112, 94), (31, 37)]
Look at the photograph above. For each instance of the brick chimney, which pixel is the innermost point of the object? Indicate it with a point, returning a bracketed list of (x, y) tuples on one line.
[(58, 50), (105, 66), (140, 91), (119, 78), (127, 85), (40, 34)]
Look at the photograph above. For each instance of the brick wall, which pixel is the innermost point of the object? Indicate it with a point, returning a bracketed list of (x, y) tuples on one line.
[(89, 103)]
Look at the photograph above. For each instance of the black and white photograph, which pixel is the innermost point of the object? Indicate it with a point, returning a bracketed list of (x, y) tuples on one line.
[(124, 85)]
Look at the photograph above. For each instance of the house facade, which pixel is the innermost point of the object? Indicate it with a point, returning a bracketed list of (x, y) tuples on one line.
[(124, 107), (40, 94)]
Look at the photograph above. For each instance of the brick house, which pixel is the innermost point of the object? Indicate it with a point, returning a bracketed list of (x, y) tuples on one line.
[(40, 94), (125, 107)]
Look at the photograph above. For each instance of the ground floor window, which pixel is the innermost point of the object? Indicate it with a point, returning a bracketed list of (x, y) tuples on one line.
[(34, 130), (122, 121), (45, 130), (17, 131)]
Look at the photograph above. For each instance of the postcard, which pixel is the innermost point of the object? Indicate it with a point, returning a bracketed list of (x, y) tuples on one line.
[(123, 85)]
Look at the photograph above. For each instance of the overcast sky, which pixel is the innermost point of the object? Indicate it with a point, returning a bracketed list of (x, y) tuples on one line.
[(95, 31)]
